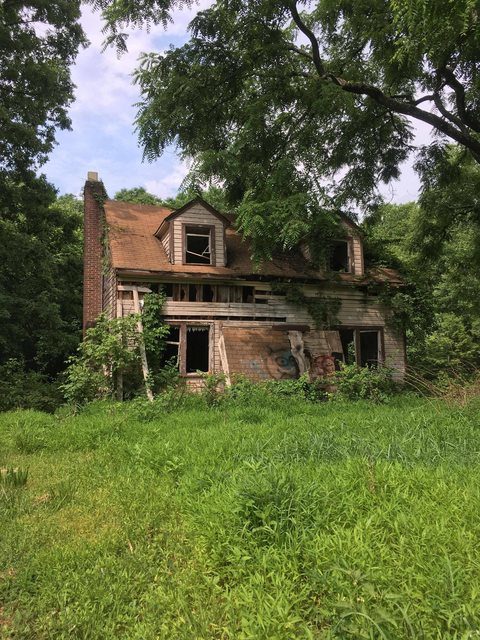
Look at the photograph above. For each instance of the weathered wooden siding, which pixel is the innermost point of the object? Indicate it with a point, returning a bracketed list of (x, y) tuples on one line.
[(357, 310), (357, 257), (109, 294), (166, 244), (198, 215)]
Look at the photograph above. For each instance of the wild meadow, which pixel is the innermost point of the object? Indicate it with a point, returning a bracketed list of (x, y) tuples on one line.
[(262, 518)]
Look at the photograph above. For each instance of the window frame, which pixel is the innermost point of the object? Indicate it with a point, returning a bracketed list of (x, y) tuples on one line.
[(182, 345), (357, 329), (211, 232), (349, 242)]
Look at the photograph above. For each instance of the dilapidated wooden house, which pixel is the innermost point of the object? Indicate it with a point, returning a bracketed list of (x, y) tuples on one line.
[(224, 314)]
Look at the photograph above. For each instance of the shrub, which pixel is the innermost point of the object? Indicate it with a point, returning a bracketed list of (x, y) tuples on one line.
[(21, 389), (109, 349), (364, 383)]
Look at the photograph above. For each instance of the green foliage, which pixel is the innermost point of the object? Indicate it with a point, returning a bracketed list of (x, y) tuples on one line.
[(13, 477), (436, 244), (244, 391), (38, 43), (40, 276), (300, 109), (292, 520), (109, 349), (138, 195), (213, 385), (21, 389), (363, 383), (323, 309)]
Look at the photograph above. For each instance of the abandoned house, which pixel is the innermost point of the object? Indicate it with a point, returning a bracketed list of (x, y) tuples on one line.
[(225, 315)]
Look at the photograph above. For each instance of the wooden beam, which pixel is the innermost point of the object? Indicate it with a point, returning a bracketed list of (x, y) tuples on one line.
[(143, 355)]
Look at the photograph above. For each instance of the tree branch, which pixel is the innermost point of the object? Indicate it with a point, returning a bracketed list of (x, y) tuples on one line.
[(447, 115), (317, 60), (446, 126), (464, 114)]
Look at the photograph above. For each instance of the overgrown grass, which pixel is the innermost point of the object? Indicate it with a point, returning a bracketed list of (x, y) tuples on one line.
[(269, 519)]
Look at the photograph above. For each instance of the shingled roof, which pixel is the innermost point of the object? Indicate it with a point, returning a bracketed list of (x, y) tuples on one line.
[(135, 248)]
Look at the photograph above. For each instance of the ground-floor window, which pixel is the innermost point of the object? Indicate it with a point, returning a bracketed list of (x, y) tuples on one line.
[(188, 347), (363, 345)]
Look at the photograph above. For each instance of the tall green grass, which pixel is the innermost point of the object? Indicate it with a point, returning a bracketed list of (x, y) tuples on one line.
[(270, 519)]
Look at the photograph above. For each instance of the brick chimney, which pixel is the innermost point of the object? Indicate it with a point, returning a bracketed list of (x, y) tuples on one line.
[(93, 218)]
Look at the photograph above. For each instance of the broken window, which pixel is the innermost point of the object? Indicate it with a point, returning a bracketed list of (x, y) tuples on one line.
[(172, 346), (198, 242), (197, 356), (360, 345), (188, 347), (339, 260), (347, 337)]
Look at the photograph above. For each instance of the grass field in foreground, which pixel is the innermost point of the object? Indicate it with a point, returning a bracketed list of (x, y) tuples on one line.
[(275, 519)]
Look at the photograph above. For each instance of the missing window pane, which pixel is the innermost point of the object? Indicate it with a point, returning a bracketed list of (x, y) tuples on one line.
[(197, 349), (339, 257), (369, 348), (347, 337), (197, 245)]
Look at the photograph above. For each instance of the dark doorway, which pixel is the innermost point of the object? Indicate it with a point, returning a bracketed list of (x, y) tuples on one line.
[(369, 348), (197, 349)]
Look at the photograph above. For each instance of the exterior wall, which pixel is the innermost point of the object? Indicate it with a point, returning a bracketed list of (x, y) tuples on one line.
[(198, 215), (357, 310), (110, 292), (166, 245), (92, 252), (357, 256)]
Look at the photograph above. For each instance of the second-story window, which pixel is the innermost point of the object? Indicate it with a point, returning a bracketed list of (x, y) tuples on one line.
[(339, 258), (198, 245)]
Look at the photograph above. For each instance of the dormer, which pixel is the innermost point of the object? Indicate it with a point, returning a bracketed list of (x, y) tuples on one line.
[(347, 250), (194, 235)]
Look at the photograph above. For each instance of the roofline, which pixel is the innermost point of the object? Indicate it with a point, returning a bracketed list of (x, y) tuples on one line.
[(187, 205)]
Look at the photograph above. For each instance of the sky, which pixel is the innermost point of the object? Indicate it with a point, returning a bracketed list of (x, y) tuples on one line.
[(103, 138)]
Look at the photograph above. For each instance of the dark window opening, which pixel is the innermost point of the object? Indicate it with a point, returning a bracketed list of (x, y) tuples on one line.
[(369, 348), (247, 294), (193, 292), (168, 289), (197, 245), (197, 349), (208, 293), (339, 256)]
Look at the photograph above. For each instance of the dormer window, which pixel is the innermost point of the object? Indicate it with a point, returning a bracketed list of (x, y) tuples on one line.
[(339, 258), (198, 244)]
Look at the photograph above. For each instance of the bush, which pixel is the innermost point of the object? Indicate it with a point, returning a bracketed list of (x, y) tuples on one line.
[(244, 390), (364, 383), (21, 389)]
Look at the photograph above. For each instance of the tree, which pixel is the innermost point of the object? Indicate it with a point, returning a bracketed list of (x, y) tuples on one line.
[(38, 42), (40, 277), (304, 107), (436, 245), (138, 195)]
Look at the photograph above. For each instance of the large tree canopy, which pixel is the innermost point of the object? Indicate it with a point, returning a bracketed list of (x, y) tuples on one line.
[(300, 106), (39, 40)]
